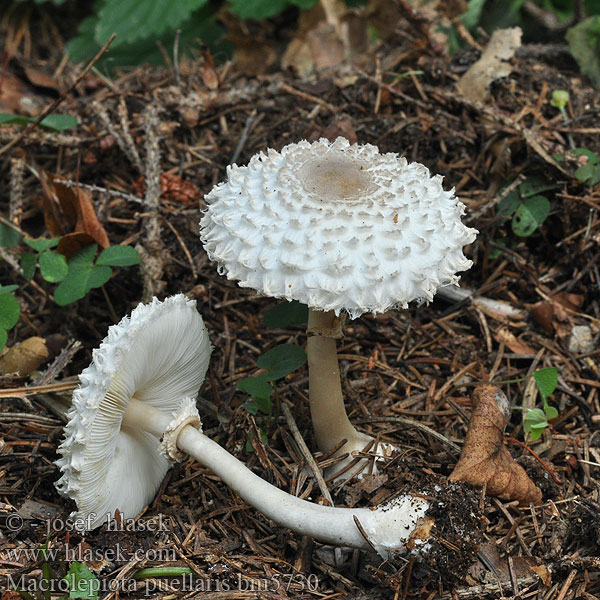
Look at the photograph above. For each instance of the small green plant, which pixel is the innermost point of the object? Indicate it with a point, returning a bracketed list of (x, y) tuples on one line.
[(85, 273), (536, 419), (560, 99), (54, 122), (526, 206), (53, 266), (590, 172), (82, 583), (278, 362), (9, 311)]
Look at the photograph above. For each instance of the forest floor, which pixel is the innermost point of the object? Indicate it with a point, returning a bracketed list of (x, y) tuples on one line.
[(401, 370)]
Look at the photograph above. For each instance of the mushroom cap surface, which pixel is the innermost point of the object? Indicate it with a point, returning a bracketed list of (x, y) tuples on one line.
[(336, 226), (158, 355)]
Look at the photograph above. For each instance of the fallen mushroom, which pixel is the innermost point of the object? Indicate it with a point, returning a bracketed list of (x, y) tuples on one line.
[(343, 229), (138, 389)]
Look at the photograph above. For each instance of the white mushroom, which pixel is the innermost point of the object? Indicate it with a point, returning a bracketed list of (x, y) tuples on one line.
[(138, 389), (339, 227)]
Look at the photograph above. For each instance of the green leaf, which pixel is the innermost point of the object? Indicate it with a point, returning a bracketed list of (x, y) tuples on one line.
[(78, 283), (535, 422), (119, 256), (550, 411), (55, 122), (258, 404), (591, 156), (8, 236), (286, 313), (201, 24), (8, 119), (584, 44), (10, 309), (530, 215), (60, 122), (28, 262), (257, 9), (508, 205), (7, 289), (83, 260), (281, 361), (590, 172), (3, 338), (53, 266), (534, 186), (133, 20), (471, 17), (257, 387), (82, 582), (41, 244), (547, 380)]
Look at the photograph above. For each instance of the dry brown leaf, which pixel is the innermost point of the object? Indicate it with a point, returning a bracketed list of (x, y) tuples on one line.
[(209, 74), (70, 210), (510, 341), (492, 65), (72, 243), (485, 460), (24, 358), (542, 572)]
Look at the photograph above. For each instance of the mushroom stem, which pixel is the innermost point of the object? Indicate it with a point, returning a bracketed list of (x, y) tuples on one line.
[(385, 528), (330, 421)]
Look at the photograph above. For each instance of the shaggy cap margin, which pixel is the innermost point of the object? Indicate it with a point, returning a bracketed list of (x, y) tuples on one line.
[(158, 355)]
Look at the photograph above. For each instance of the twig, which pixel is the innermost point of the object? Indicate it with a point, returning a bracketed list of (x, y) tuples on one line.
[(497, 199), (312, 463), (548, 470), (98, 189), (17, 169), (291, 90), (153, 251), (129, 143), (455, 448), (58, 364), (21, 392), (243, 137), (60, 99), (363, 533)]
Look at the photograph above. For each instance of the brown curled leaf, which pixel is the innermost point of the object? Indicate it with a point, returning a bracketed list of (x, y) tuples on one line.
[(485, 460)]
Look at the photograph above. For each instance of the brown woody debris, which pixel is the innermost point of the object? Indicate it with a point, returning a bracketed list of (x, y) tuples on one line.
[(484, 460)]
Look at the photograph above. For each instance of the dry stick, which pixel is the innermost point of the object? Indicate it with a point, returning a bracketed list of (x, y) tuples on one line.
[(100, 190), (58, 101), (15, 206), (306, 453), (132, 152), (418, 425), (153, 254)]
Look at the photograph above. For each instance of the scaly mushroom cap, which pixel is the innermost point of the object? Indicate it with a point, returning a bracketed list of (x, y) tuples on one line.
[(158, 355), (336, 226)]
